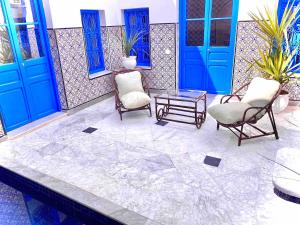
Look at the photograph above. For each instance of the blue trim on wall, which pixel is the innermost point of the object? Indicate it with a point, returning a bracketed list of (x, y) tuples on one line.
[(43, 24), (142, 47), (209, 67), (86, 17), (294, 32), (37, 87)]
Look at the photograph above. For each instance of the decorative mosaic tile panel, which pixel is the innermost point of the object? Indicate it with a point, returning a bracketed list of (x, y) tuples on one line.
[(57, 69), (112, 46), (78, 85), (246, 48), (163, 72)]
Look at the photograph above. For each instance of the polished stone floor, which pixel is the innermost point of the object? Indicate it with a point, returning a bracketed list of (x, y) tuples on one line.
[(157, 171)]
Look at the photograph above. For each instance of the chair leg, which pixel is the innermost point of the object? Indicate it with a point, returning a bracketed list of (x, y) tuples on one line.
[(272, 120), (241, 136), (120, 115), (150, 110)]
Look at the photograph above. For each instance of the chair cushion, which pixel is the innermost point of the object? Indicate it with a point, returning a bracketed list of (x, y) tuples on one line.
[(128, 82), (260, 91), (231, 113), (135, 100)]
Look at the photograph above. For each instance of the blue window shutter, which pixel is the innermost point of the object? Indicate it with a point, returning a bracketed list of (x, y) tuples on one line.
[(93, 44), (137, 20), (294, 32)]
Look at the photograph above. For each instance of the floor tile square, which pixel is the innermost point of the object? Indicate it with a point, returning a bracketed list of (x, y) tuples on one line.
[(162, 123), (212, 161), (89, 130)]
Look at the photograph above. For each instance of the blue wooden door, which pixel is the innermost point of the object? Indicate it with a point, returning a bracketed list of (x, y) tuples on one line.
[(207, 38), (27, 87)]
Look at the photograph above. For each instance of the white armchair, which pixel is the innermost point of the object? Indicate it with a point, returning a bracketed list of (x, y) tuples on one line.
[(131, 93)]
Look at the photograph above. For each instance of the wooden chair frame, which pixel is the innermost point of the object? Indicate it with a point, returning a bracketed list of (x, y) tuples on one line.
[(118, 104), (237, 128)]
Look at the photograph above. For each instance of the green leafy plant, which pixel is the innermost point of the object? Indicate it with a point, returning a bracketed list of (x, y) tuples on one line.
[(6, 55), (276, 58), (129, 42)]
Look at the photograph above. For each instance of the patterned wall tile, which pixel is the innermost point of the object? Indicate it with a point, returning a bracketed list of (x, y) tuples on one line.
[(57, 69), (246, 48), (163, 72), (294, 90), (112, 46), (78, 85), (72, 69)]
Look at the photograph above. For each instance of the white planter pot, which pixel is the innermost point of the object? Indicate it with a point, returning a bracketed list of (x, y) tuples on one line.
[(281, 102), (129, 63)]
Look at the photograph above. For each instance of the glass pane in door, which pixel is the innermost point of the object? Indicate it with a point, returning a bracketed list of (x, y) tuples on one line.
[(195, 33), (220, 32), (195, 9), (23, 11), (30, 41), (1, 15), (221, 8), (6, 53)]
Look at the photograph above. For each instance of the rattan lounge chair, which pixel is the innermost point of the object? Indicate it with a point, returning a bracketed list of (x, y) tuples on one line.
[(131, 91), (248, 109)]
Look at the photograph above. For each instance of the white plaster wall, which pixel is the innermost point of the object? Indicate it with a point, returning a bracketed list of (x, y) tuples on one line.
[(246, 6), (66, 13)]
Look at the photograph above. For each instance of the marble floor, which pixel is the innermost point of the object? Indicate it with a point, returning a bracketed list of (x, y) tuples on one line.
[(157, 172)]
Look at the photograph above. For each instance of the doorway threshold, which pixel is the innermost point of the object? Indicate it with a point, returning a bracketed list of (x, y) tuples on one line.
[(35, 125)]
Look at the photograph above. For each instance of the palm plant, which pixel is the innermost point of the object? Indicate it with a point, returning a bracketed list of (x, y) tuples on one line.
[(129, 42), (277, 59)]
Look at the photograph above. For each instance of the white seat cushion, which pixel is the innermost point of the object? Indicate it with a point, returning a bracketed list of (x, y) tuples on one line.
[(260, 90), (135, 100), (128, 82), (231, 113)]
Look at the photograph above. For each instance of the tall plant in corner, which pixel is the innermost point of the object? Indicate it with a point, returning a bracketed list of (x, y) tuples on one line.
[(276, 58), (129, 61)]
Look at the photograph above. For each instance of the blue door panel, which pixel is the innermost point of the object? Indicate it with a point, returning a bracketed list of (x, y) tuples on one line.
[(207, 43), (217, 82), (37, 70), (10, 77), (42, 99), (195, 78), (13, 108), (27, 85)]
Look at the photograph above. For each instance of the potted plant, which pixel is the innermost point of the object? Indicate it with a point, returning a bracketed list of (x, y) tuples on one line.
[(276, 58), (129, 61)]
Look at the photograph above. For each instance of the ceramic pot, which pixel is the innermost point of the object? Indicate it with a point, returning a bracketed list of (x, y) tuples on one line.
[(281, 102), (129, 62)]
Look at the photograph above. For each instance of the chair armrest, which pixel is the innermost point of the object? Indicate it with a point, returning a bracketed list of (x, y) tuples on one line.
[(223, 101), (259, 110)]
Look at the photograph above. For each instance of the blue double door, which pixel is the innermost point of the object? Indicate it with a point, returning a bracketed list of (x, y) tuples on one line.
[(27, 86), (207, 40)]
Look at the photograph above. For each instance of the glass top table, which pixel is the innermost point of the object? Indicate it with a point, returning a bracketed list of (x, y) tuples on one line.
[(182, 94), (178, 105)]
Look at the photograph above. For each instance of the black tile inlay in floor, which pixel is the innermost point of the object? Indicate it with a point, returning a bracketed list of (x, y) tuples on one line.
[(212, 161), (89, 130), (161, 123)]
